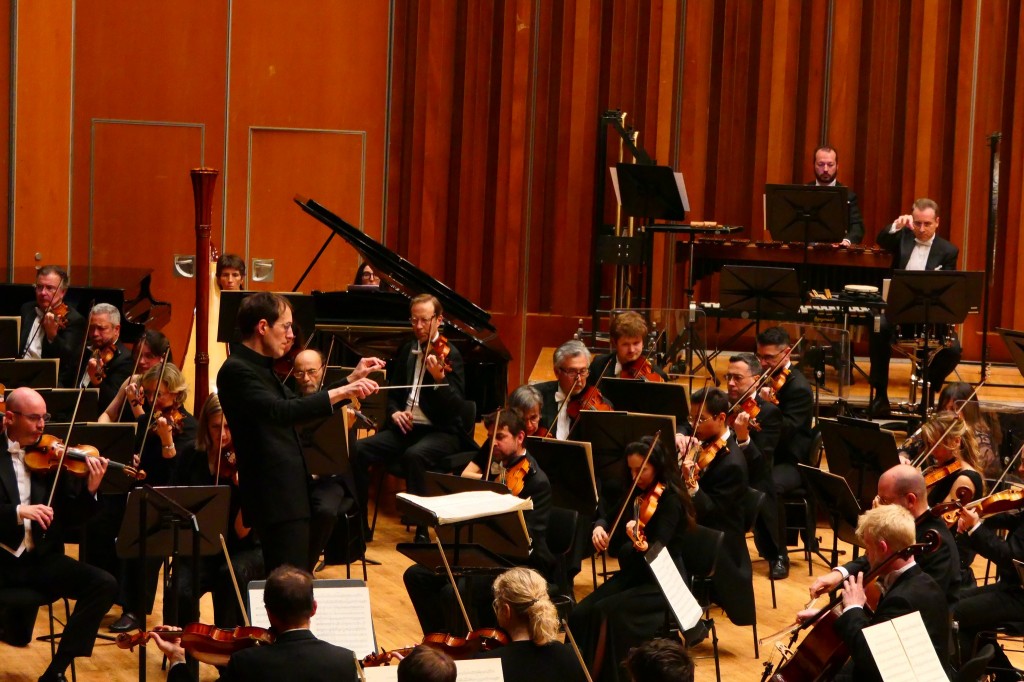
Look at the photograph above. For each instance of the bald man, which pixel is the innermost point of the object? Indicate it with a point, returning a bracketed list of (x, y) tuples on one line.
[(32, 541), (904, 485)]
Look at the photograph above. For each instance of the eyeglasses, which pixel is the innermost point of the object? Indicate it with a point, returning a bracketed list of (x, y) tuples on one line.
[(33, 417), (574, 373), (286, 325), (307, 372), (48, 288), (416, 321)]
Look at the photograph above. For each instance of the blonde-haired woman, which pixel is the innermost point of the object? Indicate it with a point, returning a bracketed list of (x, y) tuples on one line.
[(957, 451), (524, 610)]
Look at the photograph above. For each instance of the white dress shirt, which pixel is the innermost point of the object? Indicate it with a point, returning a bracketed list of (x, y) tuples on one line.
[(21, 474), (34, 349)]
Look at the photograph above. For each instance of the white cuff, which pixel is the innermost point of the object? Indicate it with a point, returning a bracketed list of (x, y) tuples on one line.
[(842, 571)]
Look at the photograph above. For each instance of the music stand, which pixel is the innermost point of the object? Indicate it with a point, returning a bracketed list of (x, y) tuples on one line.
[(647, 397), (116, 442), (374, 407), (759, 291), (10, 337), (655, 192), (860, 455), (569, 466), (30, 373), (194, 514), (806, 213), (303, 315), (325, 445), (1014, 341), (927, 298), (60, 403), (833, 493)]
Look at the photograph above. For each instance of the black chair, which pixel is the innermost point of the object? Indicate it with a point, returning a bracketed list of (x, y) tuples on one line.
[(700, 556), (561, 536), (976, 668), (347, 541), (15, 605), (752, 504), (802, 500)]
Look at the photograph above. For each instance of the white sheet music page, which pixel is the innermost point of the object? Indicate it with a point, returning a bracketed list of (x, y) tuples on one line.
[(342, 616), (679, 597), (382, 673), (480, 670), (903, 650), (475, 504)]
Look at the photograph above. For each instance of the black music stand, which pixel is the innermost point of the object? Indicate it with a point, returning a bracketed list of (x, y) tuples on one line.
[(832, 492), (325, 445), (858, 454), (303, 315), (31, 373), (10, 337), (652, 192), (751, 290), (60, 403), (196, 515), (569, 466), (647, 397), (116, 442), (927, 298), (1014, 341), (806, 213)]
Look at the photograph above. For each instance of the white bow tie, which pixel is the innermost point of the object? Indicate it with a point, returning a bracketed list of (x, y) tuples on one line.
[(921, 243)]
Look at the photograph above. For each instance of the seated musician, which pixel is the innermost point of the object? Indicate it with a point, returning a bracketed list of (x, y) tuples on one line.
[(525, 612), (758, 437), (424, 422), (365, 276), (914, 246), (230, 272), (572, 362), (147, 353), (954, 464), (32, 540), (982, 609), (106, 363), (630, 607), (44, 334), (427, 664), (432, 595), (628, 335), (212, 462), (296, 653), (527, 402), (171, 430), (826, 168), (717, 489), (903, 485), (660, 660), (796, 402), (884, 531), (985, 426)]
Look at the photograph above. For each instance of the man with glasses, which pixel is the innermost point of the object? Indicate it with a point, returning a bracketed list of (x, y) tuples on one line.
[(104, 337), (32, 540), (424, 421), (572, 362), (826, 168), (42, 334), (263, 413)]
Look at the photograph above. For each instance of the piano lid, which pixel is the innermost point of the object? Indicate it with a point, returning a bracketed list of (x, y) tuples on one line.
[(409, 279)]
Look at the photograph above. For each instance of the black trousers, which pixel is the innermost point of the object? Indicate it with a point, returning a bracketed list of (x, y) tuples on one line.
[(56, 576), (769, 536), (214, 577), (284, 542), (327, 501), (984, 608), (880, 352)]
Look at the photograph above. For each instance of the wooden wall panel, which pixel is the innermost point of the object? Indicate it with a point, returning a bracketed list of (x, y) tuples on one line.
[(6, 22)]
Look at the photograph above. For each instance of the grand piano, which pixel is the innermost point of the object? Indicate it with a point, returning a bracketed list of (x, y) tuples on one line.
[(377, 322)]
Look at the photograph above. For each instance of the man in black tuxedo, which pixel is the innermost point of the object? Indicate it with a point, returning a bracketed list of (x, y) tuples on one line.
[(757, 438), (42, 335), (914, 246), (826, 168), (884, 531), (572, 364), (796, 402), (904, 485), (717, 492), (273, 481), (32, 540), (105, 333), (628, 334), (424, 423), (296, 653)]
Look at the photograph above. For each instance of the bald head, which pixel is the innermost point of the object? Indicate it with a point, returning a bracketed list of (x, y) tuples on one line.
[(24, 420), (904, 485), (309, 368)]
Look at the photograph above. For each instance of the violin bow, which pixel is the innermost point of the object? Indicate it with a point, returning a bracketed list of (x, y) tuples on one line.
[(651, 347), (291, 369), (152, 408), (234, 580), (132, 377), (81, 353), (562, 406), (490, 455), (220, 448), (602, 375), (579, 656), (455, 587), (326, 359), (1009, 466), (63, 450), (632, 489), (922, 458), (431, 330), (38, 330)]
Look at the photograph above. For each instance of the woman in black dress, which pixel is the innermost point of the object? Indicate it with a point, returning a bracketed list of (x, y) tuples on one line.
[(953, 448)]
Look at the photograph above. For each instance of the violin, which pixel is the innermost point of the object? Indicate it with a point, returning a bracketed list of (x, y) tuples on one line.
[(776, 382), (174, 417), (996, 503), (103, 356), (644, 507), (589, 398), (640, 369), (440, 349), (43, 456), (228, 462), (515, 476), (60, 314), (703, 455), (206, 643), (750, 406), (935, 474), (481, 639)]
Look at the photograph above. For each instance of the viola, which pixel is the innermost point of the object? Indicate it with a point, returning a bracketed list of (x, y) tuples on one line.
[(640, 369), (206, 643), (515, 476), (481, 639), (644, 507), (589, 398), (103, 356), (703, 455), (43, 457)]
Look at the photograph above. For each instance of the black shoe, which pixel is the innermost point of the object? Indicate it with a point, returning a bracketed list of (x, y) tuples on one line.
[(697, 634), (880, 406), (126, 623), (780, 568), (53, 677)]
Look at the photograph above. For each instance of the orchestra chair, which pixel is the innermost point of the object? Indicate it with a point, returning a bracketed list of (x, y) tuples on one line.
[(16, 604), (1006, 634), (561, 539), (348, 533), (801, 500), (451, 464), (976, 668), (700, 556), (752, 504)]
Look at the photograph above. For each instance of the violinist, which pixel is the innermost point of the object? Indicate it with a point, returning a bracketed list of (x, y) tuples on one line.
[(758, 436), (424, 423), (982, 609), (955, 456), (431, 594), (572, 362), (49, 327), (106, 363), (147, 353), (525, 400), (628, 335), (230, 272), (199, 466), (629, 607), (524, 610), (884, 531), (32, 536), (718, 489), (962, 397), (272, 477), (903, 485), (796, 402)]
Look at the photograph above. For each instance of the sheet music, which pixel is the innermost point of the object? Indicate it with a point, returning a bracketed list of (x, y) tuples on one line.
[(679, 597), (903, 651), (342, 616), (681, 186), (478, 670), (470, 505), (381, 673)]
